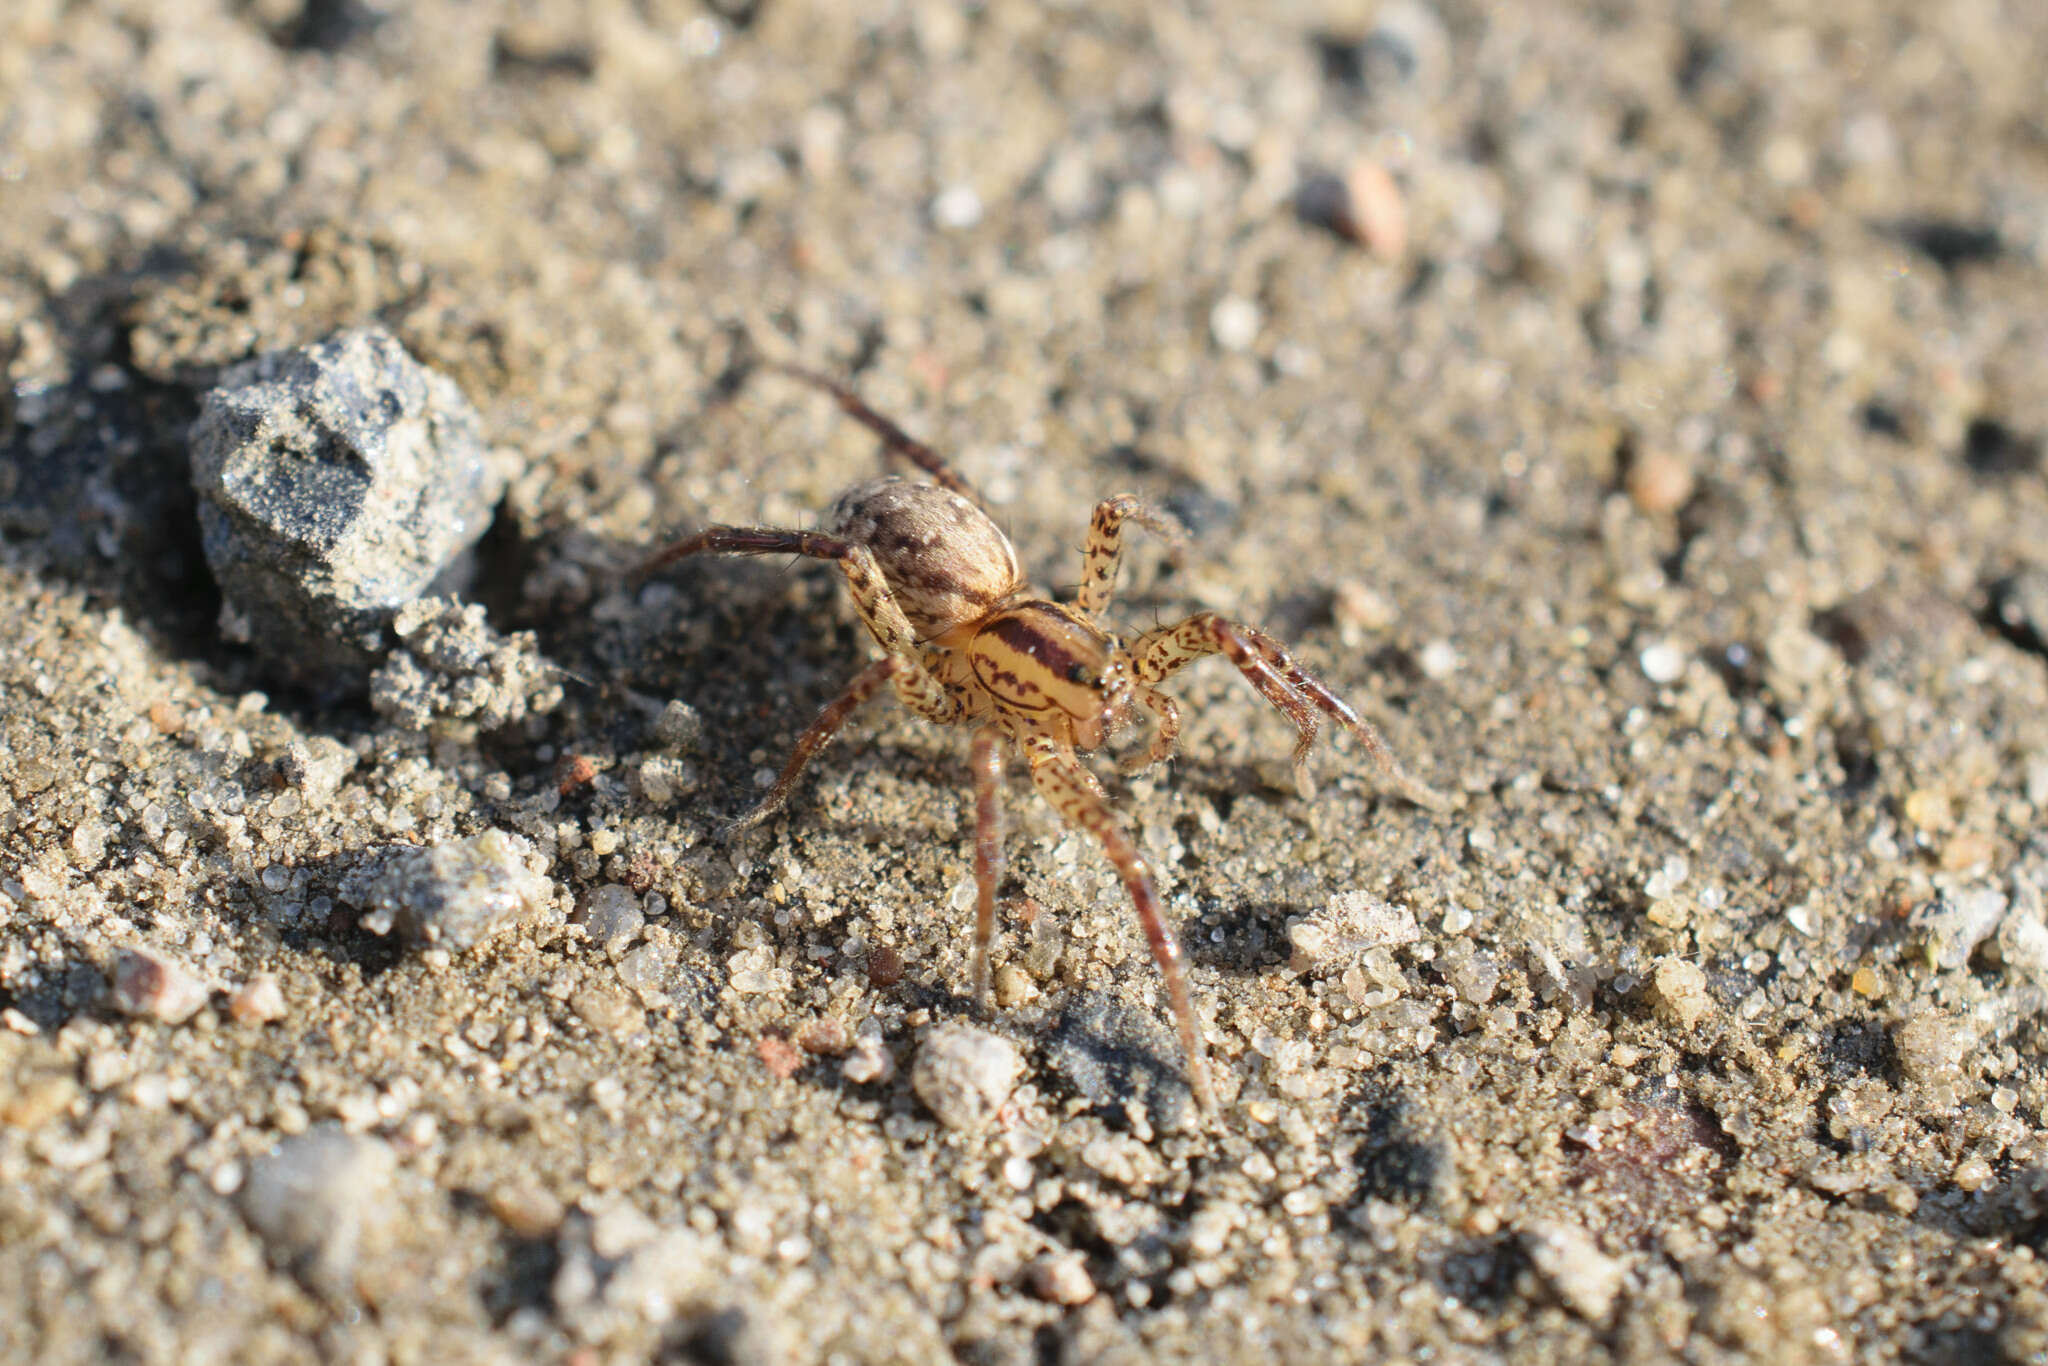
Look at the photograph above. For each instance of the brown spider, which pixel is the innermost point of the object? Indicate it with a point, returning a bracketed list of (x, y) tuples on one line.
[(965, 642)]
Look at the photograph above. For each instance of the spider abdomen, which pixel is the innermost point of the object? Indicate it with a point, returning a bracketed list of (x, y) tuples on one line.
[(945, 561)]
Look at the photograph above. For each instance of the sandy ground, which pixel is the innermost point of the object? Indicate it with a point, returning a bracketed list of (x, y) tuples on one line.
[(1663, 473)]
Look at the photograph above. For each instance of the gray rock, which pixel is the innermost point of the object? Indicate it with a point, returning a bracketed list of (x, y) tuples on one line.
[(335, 482), (679, 726), (451, 668), (1951, 927), (317, 1200), (454, 894), (611, 916), (963, 1074)]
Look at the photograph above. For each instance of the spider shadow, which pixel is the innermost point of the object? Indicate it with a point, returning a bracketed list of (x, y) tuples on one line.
[(1247, 940)]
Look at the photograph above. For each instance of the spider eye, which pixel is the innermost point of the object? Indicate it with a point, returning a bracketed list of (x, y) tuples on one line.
[(1078, 673)]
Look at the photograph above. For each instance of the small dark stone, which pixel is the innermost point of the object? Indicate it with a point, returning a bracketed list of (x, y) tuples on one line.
[(1993, 450), (1950, 244), (1881, 419)]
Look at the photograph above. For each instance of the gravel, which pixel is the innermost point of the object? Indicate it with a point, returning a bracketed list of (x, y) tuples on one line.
[(1674, 499), (449, 669)]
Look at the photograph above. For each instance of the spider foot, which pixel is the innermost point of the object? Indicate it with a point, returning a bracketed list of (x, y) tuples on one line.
[(740, 825)]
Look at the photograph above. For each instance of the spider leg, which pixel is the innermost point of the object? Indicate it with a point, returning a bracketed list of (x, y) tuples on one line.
[(1073, 791), (1268, 667), (815, 737), (894, 439), (987, 762), (1106, 546), (879, 611), (1165, 714)]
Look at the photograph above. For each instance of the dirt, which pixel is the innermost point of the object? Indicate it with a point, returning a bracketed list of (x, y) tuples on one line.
[(1654, 450)]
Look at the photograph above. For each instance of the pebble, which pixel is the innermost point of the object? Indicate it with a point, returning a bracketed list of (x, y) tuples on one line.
[(1659, 481), (2021, 602), (869, 1060), (782, 1058), (335, 482), (526, 1207), (258, 1000), (1062, 1278), (453, 894), (679, 726), (1951, 927), (316, 1200), (1583, 1277), (1234, 322), (611, 916), (1678, 992), (957, 207), (963, 1074), (156, 986), (1439, 660), (1930, 1046), (451, 668), (314, 768), (1349, 925), (608, 1009), (29, 1102), (1365, 206), (1360, 608), (1662, 662)]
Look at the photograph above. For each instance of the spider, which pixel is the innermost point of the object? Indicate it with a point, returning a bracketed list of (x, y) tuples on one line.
[(965, 642)]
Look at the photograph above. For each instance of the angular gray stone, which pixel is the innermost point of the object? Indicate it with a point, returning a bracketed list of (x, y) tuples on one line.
[(336, 482)]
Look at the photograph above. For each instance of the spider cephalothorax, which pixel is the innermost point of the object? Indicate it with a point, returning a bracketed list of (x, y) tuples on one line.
[(965, 642)]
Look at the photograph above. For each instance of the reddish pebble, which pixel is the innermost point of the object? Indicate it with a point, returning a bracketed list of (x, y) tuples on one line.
[(779, 1055), (257, 1001), (1659, 481), (156, 986), (574, 771)]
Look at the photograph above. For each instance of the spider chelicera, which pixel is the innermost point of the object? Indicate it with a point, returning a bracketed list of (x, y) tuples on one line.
[(965, 642)]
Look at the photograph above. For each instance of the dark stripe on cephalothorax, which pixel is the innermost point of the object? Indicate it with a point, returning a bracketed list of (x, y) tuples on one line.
[(1014, 690), (1021, 635)]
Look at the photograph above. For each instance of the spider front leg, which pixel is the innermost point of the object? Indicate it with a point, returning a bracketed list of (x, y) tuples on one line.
[(1268, 667), (1165, 714), (1106, 546), (1072, 790)]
